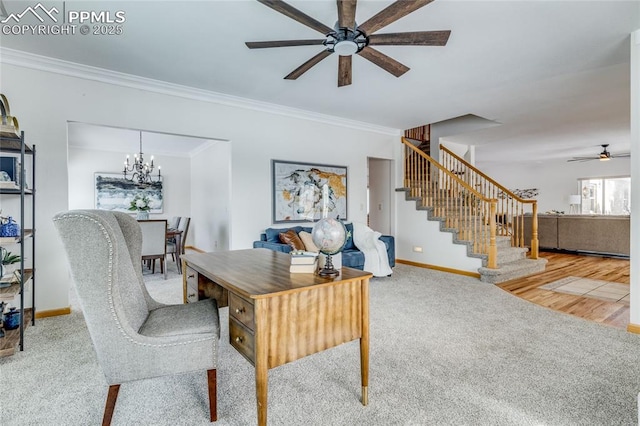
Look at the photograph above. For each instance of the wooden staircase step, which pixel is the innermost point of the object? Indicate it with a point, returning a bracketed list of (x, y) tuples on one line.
[(509, 254), (512, 270)]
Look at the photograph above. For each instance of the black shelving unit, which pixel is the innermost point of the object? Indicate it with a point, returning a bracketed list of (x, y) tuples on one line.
[(14, 144)]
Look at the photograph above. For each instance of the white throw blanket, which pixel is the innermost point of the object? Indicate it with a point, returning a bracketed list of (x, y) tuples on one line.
[(366, 240)]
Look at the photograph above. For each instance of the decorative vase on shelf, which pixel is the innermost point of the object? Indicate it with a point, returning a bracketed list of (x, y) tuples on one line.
[(9, 228), (11, 319), (142, 215)]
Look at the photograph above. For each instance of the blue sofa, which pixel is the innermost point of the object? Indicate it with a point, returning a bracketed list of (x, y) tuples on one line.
[(351, 256)]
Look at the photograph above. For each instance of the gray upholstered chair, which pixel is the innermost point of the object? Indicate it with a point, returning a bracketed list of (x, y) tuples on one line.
[(171, 244), (154, 243), (134, 336)]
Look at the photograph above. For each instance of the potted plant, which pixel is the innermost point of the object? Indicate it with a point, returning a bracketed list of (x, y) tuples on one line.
[(142, 205), (7, 258)]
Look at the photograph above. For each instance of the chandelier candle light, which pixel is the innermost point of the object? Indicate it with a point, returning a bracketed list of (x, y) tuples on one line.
[(141, 170)]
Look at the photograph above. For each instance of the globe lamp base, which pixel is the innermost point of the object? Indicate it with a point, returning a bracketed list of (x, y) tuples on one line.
[(328, 270)]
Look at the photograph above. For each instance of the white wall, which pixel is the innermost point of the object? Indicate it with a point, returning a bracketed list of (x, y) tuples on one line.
[(83, 163), (452, 127), (45, 101), (457, 148), (211, 189), (437, 247), (634, 317), (555, 180)]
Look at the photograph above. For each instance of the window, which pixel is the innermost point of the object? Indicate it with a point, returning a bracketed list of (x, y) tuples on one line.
[(606, 195)]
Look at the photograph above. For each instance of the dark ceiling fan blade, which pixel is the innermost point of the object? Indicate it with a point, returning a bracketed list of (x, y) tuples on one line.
[(344, 70), (347, 13), (282, 43), (383, 61), (417, 38), (296, 15), (395, 11), (583, 159), (307, 65)]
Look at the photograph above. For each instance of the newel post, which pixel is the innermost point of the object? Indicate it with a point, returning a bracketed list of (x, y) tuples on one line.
[(534, 231), (492, 262)]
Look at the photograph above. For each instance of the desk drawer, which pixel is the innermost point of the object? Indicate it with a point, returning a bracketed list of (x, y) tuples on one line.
[(242, 310), (242, 339), (192, 285)]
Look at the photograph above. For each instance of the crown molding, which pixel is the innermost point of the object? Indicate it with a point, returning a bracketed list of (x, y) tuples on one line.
[(72, 69)]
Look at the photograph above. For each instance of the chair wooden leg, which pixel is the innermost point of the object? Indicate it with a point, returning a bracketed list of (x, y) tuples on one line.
[(213, 394), (111, 404)]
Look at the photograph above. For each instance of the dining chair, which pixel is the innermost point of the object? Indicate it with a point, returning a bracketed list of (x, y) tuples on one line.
[(173, 222), (171, 245), (154, 243), (134, 336)]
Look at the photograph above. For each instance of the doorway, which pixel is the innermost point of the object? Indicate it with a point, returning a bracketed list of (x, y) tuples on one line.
[(379, 195), (196, 175)]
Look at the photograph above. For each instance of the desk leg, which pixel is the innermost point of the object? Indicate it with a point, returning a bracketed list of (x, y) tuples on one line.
[(364, 342), (261, 360)]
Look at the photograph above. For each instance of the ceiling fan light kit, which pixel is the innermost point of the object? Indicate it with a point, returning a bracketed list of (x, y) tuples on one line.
[(347, 38), (345, 48)]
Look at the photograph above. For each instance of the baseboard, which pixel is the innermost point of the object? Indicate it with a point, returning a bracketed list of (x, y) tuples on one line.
[(53, 312), (633, 328), (195, 249), (439, 268)]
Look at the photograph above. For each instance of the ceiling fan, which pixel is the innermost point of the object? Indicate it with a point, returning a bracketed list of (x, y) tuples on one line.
[(603, 156), (347, 37)]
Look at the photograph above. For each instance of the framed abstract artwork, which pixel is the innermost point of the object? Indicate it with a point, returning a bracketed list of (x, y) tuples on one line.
[(114, 192), (305, 191)]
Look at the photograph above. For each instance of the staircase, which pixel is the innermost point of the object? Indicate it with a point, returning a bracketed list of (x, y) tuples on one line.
[(488, 220), (513, 262)]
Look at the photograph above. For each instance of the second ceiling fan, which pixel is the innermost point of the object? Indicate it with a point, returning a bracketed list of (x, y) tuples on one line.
[(605, 155), (348, 38)]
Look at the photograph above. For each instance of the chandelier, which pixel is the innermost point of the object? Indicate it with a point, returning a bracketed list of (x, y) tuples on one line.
[(141, 170)]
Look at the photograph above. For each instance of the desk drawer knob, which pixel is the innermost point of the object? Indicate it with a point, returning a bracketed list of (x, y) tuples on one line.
[(191, 295), (191, 276), (240, 310), (239, 339)]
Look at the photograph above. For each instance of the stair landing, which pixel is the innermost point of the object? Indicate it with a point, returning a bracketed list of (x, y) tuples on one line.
[(512, 270)]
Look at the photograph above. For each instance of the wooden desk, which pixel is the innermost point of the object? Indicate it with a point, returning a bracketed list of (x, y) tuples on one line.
[(276, 317)]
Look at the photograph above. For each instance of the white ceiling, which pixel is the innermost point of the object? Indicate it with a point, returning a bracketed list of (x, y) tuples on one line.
[(555, 74)]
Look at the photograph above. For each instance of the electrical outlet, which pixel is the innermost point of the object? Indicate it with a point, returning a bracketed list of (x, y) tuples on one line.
[(417, 249)]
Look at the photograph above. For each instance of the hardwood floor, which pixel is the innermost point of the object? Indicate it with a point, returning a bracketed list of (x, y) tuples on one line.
[(561, 265)]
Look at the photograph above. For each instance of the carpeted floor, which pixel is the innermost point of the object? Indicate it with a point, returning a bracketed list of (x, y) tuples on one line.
[(445, 350)]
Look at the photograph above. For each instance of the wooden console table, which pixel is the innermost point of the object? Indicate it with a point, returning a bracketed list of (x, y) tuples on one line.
[(276, 317)]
